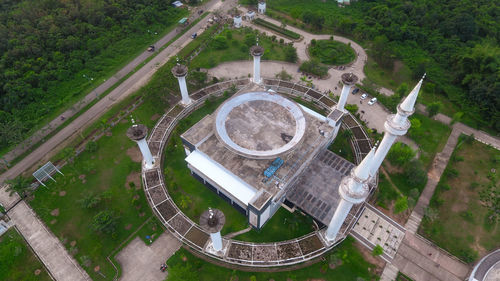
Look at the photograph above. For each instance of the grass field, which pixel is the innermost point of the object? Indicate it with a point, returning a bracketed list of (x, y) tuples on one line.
[(350, 266), (342, 146), (282, 226), (431, 137), (388, 78), (331, 52), (237, 50), (462, 226), (18, 261)]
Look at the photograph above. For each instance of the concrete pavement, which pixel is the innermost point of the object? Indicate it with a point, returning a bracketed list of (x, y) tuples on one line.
[(422, 260), (46, 245), (142, 262)]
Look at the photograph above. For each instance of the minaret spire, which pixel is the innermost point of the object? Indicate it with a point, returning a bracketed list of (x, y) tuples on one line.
[(396, 125), (353, 189)]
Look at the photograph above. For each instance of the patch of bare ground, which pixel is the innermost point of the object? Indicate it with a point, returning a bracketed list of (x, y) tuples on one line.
[(62, 193), (55, 212), (134, 177), (397, 66), (135, 154), (155, 117), (367, 255)]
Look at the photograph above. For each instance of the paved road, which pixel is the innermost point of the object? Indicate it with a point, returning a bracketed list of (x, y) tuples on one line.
[(129, 86), (142, 262), (48, 247)]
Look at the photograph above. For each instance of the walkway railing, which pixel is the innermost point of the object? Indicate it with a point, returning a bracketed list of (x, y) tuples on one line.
[(183, 228)]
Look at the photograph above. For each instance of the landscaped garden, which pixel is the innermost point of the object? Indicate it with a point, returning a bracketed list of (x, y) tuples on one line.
[(463, 215), (18, 262), (234, 44), (344, 262), (280, 30), (331, 52), (342, 145)]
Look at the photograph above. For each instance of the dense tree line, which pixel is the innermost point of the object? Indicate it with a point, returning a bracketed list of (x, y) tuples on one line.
[(44, 43), (455, 41)]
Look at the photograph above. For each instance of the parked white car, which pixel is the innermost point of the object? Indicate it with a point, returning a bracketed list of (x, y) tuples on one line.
[(372, 101), (364, 96)]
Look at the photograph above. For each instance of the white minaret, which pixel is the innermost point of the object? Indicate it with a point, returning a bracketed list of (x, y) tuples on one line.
[(212, 220), (180, 71), (348, 79), (353, 189), (138, 133), (396, 125), (256, 51), (261, 7)]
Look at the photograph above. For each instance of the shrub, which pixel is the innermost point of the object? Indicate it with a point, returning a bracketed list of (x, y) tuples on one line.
[(434, 108), (91, 146), (314, 67), (377, 251), (219, 42), (250, 39), (105, 222), (401, 205), (415, 173), (352, 108), (400, 154), (278, 29), (290, 54)]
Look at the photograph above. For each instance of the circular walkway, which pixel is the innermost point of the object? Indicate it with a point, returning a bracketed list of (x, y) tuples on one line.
[(282, 253), (488, 268)]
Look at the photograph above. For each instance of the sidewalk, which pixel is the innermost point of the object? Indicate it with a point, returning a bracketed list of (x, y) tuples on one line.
[(142, 262), (422, 261), (48, 247)]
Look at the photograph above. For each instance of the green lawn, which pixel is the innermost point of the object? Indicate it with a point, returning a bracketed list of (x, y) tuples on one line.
[(18, 261), (282, 226), (103, 172), (237, 49), (462, 226), (331, 52), (385, 192), (342, 146), (190, 195), (388, 78), (431, 137), (350, 266)]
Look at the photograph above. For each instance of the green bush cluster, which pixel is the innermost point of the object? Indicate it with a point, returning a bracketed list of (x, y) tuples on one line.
[(314, 67), (283, 31), (331, 52)]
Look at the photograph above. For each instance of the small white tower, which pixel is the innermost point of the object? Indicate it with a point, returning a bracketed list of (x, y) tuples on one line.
[(237, 21), (261, 7), (348, 79), (256, 51), (396, 125), (212, 220), (180, 71), (138, 133), (353, 189)]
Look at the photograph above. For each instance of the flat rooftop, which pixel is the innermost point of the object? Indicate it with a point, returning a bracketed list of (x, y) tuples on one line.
[(316, 190), (251, 170)]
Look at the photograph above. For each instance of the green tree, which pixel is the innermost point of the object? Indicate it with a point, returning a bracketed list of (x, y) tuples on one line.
[(105, 222), (415, 173), (250, 39), (89, 200), (290, 53), (400, 154), (434, 108), (20, 185), (220, 43)]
